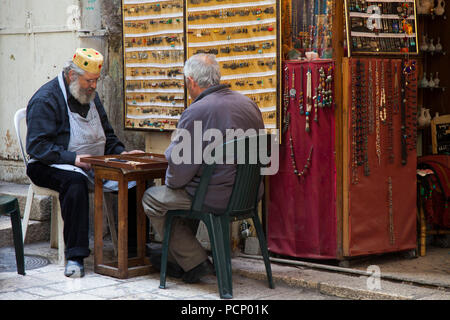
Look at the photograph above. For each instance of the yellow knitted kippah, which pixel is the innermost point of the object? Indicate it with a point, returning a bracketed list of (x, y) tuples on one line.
[(88, 59)]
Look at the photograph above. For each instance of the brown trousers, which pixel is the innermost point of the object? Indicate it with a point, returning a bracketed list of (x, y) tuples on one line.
[(184, 248)]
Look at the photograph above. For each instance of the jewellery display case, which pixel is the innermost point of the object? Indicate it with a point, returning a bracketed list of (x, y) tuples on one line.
[(311, 26), (159, 35), (350, 175), (378, 164), (381, 27)]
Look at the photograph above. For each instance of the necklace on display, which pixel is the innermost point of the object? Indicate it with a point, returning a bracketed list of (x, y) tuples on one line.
[(292, 91), (377, 110), (390, 112), (294, 164), (403, 115), (300, 101), (391, 212), (328, 87), (286, 117), (308, 99)]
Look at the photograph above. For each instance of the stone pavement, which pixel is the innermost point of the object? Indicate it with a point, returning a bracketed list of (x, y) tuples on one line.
[(292, 282), (49, 283)]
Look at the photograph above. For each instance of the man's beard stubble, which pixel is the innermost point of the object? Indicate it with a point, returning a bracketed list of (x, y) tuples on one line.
[(79, 93)]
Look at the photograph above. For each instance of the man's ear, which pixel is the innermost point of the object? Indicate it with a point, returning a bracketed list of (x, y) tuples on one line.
[(192, 81), (71, 75)]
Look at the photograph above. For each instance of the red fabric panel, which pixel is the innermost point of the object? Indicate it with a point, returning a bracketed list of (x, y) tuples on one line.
[(302, 214), (369, 218), (437, 206)]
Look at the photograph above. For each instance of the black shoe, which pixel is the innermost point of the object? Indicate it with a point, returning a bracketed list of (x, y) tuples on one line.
[(172, 270), (194, 275), (74, 269)]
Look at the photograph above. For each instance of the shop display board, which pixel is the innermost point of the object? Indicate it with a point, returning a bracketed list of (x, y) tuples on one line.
[(159, 35), (381, 27), (153, 41)]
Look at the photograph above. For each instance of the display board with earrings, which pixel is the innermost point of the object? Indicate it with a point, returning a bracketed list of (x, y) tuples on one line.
[(153, 40), (159, 35), (381, 27), (243, 36)]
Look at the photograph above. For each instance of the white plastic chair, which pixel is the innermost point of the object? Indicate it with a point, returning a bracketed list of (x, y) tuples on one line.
[(57, 224)]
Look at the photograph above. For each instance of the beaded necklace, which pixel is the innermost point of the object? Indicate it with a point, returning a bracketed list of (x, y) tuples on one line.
[(329, 87), (403, 116), (286, 116), (377, 118), (300, 101), (370, 98), (389, 120), (391, 212), (294, 164), (309, 100)]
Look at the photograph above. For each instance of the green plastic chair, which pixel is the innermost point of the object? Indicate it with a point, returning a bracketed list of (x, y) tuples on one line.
[(10, 206), (243, 204)]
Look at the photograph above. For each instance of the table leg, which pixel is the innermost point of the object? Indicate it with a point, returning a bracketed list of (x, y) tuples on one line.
[(98, 222), (423, 231), (122, 206), (140, 219)]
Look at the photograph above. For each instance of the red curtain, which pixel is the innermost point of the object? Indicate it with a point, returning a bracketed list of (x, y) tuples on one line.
[(302, 214)]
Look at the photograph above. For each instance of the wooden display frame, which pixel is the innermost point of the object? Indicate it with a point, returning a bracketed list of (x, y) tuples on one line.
[(444, 123), (244, 35), (380, 41)]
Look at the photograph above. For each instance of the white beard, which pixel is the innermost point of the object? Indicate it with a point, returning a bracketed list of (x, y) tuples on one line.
[(80, 94)]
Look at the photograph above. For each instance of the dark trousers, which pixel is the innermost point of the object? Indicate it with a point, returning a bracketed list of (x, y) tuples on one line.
[(74, 199)]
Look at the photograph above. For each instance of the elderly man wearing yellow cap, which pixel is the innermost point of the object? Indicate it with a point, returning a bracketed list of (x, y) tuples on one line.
[(66, 121)]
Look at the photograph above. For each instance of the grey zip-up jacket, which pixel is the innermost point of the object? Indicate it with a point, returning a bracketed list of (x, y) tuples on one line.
[(220, 108)]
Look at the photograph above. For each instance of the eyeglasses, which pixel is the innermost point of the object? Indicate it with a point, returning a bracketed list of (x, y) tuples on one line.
[(91, 81)]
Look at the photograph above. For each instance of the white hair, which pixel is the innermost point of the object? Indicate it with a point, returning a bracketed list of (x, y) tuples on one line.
[(204, 69), (70, 65)]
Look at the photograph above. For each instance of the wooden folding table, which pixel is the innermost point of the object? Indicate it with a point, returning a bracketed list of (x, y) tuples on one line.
[(139, 167)]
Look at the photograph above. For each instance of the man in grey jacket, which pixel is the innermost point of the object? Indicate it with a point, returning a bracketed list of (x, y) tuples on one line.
[(216, 107)]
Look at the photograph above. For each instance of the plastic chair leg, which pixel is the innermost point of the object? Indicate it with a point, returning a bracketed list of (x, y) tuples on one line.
[(165, 251), (264, 251), (219, 235), (27, 211), (18, 240)]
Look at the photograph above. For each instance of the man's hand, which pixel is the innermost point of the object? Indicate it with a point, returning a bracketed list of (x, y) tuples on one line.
[(83, 165), (133, 152)]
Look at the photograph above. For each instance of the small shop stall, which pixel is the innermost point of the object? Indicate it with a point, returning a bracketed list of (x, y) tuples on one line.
[(348, 140), (340, 83)]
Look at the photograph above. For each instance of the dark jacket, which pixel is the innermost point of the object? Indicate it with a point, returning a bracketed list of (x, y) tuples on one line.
[(219, 108), (48, 125)]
